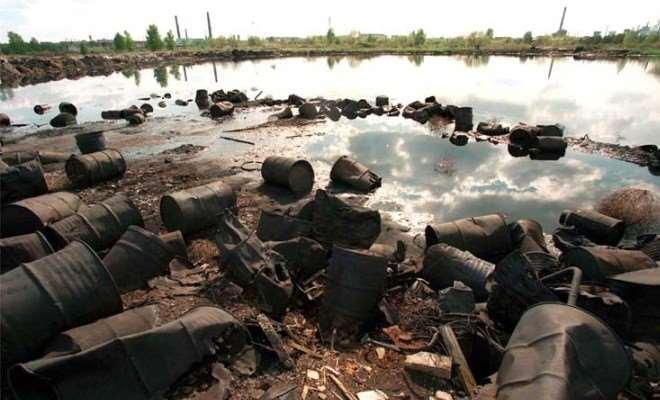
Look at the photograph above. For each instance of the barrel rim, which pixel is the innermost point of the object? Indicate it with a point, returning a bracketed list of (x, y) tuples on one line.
[(168, 202)]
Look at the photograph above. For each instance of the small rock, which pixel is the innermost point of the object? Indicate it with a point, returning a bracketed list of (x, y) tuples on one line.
[(162, 104), (312, 374), (440, 395), (372, 395), (180, 102), (307, 111), (322, 396), (430, 363), (380, 351)]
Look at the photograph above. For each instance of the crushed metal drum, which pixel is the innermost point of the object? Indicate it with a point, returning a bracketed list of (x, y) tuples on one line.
[(600, 262), (99, 225), (32, 214), (90, 142), (176, 243), (354, 174), (486, 236), (137, 257), (560, 352), (304, 256), (279, 227), (61, 291), (87, 336), (527, 235), (17, 250), (62, 120), (297, 175), (155, 359), (599, 228), (198, 208), (96, 167), (22, 181), (444, 264)]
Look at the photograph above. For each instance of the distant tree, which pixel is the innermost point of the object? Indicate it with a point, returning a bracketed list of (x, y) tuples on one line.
[(34, 45), (371, 39), (630, 37), (170, 43), (330, 37), (16, 43), (476, 40), (596, 37), (254, 41), (119, 42), (490, 33), (154, 42), (419, 37), (528, 38), (130, 44), (83, 48)]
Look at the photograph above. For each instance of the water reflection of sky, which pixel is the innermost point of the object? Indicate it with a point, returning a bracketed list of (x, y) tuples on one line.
[(426, 177), (616, 101)]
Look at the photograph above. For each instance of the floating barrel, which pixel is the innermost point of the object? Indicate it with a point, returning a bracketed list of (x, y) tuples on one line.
[(297, 175), (66, 107), (548, 148), (41, 108), (95, 167), (195, 209), (87, 336), (90, 142), (137, 257), (29, 215), (62, 120), (21, 181), (599, 262), (176, 243), (40, 299), (19, 157), (600, 228), (352, 173), (100, 225), (138, 366), (4, 120), (356, 282), (487, 236), (444, 264), (17, 250), (202, 98)]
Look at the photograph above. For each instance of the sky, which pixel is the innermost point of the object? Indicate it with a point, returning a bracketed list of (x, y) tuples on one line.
[(55, 20)]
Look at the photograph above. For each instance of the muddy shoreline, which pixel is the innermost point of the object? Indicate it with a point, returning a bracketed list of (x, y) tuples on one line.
[(26, 70)]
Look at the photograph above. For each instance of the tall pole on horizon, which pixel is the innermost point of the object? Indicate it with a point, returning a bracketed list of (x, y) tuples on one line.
[(563, 16), (178, 31), (208, 20)]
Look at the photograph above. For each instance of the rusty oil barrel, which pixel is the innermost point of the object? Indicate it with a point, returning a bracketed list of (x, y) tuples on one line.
[(90, 142), (67, 107), (99, 225), (42, 298), (463, 119), (600, 262), (94, 168), (527, 235), (19, 157), (29, 215), (137, 257), (202, 98), (17, 250), (297, 175), (525, 135), (600, 228), (354, 174), (356, 282), (176, 243), (197, 208), (486, 236), (22, 181)]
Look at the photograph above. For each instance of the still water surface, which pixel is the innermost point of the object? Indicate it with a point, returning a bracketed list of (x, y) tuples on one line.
[(425, 176)]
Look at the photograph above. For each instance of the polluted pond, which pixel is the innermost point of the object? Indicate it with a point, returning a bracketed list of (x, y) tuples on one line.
[(321, 248)]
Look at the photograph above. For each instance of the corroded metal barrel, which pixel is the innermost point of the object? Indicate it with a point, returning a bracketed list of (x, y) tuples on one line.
[(525, 135), (598, 227), (19, 157), (176, 243), (40, 299), (198, 208), (463, 119), (90, 142), (17, 250), (527, 235), (356, 282), (29, 215), (22, 181), (66, 107), (100, 225), (599, 262), (486, 236), (97, 167), (137, 257), (352, 173), (297, 175)]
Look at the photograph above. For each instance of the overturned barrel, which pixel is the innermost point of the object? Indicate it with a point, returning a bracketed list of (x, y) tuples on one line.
[(22, 181), (444, 264), (527, 236), (137, 366), (29, 215), (66, 107), (354, 174), (176, 243), (94, 168), (356, 282), (297, 175), (548, 148), (599, 228), (90, 142), (100, 225), (137, 257), (45, 297), (19, 157), (4, 120), (486, 236), (599, 262), (279, 227), (198, 208), (562, 352), (17, 250), (525, 135), (87, 336), (62, 120)]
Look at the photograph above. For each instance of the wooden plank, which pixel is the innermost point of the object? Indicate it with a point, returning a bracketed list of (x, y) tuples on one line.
[(455, 351)]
